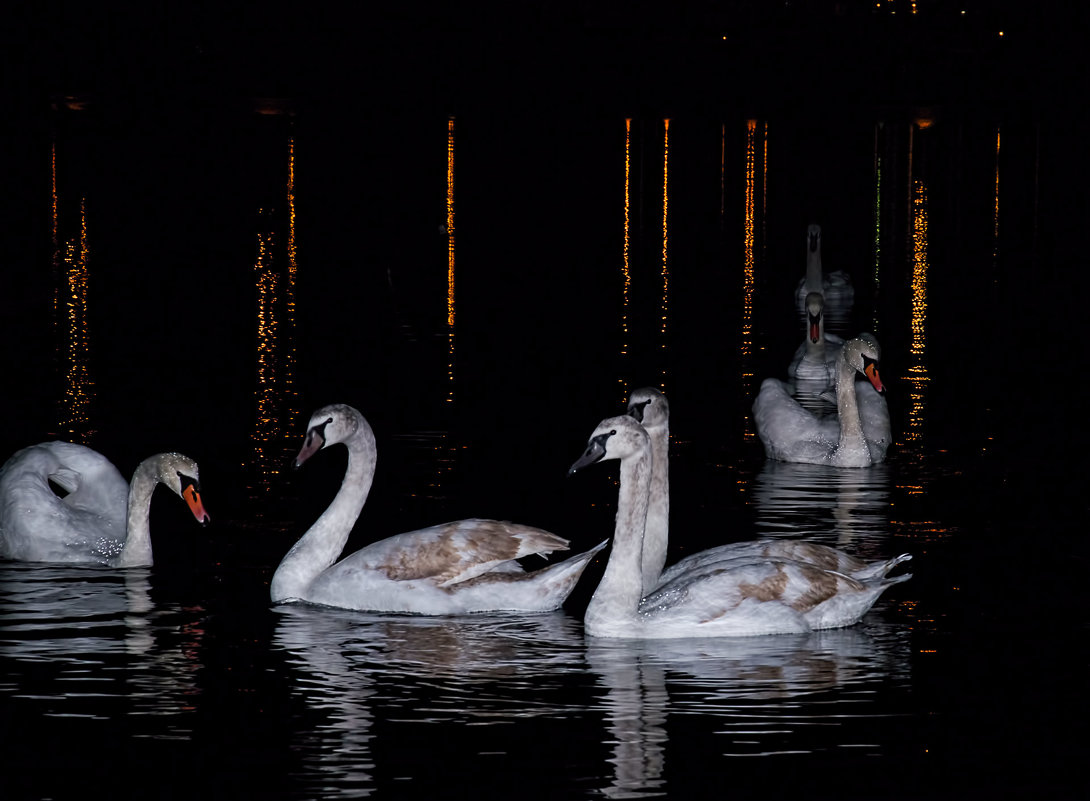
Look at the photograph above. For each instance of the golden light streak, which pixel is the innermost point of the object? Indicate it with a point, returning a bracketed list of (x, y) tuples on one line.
[(877, 220), (665, 303), (626, 267), (276, 400), (78, 383), (995, 246), (916, 375), (749, 260), (450, 258)]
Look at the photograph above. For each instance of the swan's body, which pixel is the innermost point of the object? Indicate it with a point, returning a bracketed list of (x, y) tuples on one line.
[(649, 407), (101, 519), (857, 436), (459, 567), (739, 597), (835, 287)]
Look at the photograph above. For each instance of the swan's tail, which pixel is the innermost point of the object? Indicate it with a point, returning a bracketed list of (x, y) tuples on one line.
[(558, 580), (881, 569)]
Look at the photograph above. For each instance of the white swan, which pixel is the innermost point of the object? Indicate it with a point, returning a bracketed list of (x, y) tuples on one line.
[(740, 597), (857, 436), (649, 407), (458, 567), (100, 518), (836, 286), (813, 366)]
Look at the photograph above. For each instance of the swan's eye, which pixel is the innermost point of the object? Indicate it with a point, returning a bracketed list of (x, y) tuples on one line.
[(188, 481)]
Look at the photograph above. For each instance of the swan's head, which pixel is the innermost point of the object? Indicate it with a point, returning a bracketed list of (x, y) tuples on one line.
[(614, 438), (863, 354), (329, 425), (815, 307), (181, 475), (649, 407), (813, 237)]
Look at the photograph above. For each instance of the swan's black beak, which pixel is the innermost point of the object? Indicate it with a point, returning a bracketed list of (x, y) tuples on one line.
[(636, 410), (814, 239), (314, 442), (596, 449)]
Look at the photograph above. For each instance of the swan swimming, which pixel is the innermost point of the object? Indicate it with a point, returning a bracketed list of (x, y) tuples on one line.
[(649, 407), (739, 597), (101, 519), (453, 568), (813, 366), (835, 287), (857, 436)]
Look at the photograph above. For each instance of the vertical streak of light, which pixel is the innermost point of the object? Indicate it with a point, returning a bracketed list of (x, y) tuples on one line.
[(626, 267), (291, 395), (764, 184), (450, 258), (877, 221), (75, 419), (995, 240), (56, 235), (268, 325), (917, 375), (664, 307), (749, 262)]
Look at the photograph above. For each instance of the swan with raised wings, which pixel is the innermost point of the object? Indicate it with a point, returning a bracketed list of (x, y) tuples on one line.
[(856, 436), (739, 597), (453, 568), (649, 407), (97, 517)]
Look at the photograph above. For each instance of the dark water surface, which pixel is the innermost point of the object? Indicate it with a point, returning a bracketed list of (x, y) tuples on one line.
[(202, 281)]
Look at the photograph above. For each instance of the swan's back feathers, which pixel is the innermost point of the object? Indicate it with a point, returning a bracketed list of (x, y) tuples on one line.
[(455, 552), (37, 524)]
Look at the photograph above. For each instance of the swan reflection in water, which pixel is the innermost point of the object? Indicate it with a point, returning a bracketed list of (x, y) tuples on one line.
[(350, 667), (97, 644), (844, 508), (765, 694), (762, 695)]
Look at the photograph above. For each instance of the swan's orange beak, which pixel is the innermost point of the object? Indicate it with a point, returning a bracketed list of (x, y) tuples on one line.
[(192, 497), (871, 372), (815, 333)]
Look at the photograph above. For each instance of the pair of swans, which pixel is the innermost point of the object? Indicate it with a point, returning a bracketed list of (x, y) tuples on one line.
[(100, 518), (835, 287), (740, 589), (458, 567)]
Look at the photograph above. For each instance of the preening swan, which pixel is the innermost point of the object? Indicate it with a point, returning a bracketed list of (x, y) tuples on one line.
[(739, 597), (649, 407), (453, 568), (857, 436), (835, 287), (100, 518)]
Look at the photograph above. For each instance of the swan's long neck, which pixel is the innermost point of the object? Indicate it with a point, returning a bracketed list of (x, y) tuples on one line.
[(815, 281), (322, 544), (852, 442), (137, 548), (620, 590), (656, 535)]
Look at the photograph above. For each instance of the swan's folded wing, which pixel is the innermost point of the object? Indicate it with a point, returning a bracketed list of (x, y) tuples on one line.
[(458, 551)]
